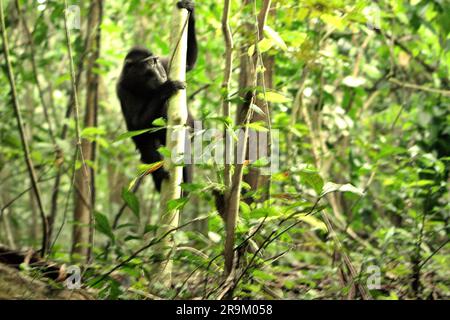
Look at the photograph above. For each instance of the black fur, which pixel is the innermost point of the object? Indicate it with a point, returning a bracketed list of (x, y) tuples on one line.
[(144, 89)]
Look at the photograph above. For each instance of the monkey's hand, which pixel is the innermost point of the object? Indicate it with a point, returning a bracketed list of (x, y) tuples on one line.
[(176, 85), (186, 4), (170, 87)]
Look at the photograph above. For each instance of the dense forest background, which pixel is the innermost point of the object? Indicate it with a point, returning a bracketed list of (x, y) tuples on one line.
[(354, 94)]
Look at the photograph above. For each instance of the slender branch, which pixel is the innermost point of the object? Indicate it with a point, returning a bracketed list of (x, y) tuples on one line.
[(76, 105), (151, 243), (23, 138), (64, 130), (424, 262), (196, 92), (226, 87), (419, 87), (17, 197), (31, 46)]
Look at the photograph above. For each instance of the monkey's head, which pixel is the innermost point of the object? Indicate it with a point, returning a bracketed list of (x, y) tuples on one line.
[(142, 68)]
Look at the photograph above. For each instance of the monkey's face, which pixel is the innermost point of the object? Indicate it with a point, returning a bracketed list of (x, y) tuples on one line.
[(145, 70)]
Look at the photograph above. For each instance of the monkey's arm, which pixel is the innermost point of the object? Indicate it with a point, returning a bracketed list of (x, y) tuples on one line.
[(156, 106), (192, 50)]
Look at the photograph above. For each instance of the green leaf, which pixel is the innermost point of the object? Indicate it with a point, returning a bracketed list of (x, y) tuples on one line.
[(131, 200), (275, 97), (160, 122), (102, 225), (130, 134), (132, 237), (333, 187), (257, 109), (244, 209), (165, 152), (275, 37), (251, 50), (264, 212), (263, 275), (257, 126), (192, 187), (225, 120), (92, 132), (150, 228), (313, 221), (333, 20), (265, 45), (132, 183), (312, 178), (177, 204), (261, 162)]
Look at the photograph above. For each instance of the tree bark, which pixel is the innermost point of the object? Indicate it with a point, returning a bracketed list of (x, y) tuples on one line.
[(85, 179), (176, 119), (254, 177)]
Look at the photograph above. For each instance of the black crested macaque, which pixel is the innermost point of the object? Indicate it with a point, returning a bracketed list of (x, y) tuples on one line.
[(144, 89)]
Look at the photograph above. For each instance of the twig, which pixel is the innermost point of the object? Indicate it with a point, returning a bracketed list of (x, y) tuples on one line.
[(433, 253), (419, 87), (35, 76), (152, 242)]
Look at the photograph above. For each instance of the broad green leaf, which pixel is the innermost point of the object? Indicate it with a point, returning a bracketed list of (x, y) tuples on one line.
[(257, 109), (257, 126), (275, 97), (177, 204), (225, 120), (160, 122), (90, 132), (333, 20), (262, 162), (244, 208), (263, 275), (102, 225), (130, 134), (313, 221), (251, 50), (333, 187), (272, 34), (165, 152), (150, 228), (265, 45), (131, 200), (312, 178), (192, 187), (264, 212)]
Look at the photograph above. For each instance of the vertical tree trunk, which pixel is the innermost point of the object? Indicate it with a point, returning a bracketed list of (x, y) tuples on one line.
[(85, 179), (63, 135), (228, 37), (247, 79), (254, 177), (176, 119)]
